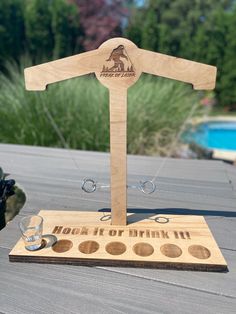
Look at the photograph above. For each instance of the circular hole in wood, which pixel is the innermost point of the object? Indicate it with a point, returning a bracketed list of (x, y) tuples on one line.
[(143, 249), (115, 248), (171, 250), (199, 251), (62, 246), (88, 247)]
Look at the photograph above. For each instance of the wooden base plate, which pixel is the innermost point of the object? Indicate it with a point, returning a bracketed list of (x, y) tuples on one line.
[(88, 238)]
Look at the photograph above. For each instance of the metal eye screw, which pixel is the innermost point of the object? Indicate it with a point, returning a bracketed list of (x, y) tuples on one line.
[(89, 185), (147, 187)]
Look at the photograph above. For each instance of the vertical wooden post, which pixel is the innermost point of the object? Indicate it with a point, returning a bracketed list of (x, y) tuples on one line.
[(118, 147)]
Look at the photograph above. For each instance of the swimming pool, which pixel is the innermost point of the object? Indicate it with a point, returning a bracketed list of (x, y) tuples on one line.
[(213, 135)]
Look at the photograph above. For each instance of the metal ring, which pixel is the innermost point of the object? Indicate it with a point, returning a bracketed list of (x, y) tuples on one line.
[(143, 184), (164, 221), (105, 217), (89, 188)]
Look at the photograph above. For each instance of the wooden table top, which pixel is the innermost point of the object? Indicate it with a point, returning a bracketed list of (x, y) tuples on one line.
[(51, 180)]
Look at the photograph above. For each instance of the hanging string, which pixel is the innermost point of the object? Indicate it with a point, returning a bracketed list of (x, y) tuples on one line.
[(174, 143), (60, 135), (90, 185)]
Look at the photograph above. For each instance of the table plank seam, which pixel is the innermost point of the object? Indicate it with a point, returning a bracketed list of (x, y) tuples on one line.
[(4, 248), (161, 180), (34, 308), (160, 199), (210, 292), (171, 283), (227, 249)]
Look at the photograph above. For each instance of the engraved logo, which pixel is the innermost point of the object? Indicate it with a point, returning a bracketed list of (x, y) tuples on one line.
[(118, 64)]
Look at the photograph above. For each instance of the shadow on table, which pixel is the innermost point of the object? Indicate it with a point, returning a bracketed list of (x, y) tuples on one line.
[(49, 239), (145, 213)]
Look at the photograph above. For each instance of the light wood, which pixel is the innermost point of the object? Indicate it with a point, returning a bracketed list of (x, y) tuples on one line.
[(201, 76), (118, 125), (170, 241), (38, 77), (118, 63)]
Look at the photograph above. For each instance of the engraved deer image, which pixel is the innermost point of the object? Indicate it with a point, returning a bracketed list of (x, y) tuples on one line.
[(201, 76)]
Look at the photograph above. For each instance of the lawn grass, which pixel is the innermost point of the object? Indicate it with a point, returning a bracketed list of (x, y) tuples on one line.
[(75, 113)]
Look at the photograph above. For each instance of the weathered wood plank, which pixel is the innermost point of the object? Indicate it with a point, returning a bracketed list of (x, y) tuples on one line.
[(215, 283), (59, 289), (32, 166)]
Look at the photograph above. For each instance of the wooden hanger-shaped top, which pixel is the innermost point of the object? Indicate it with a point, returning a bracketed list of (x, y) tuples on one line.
[(201, 76), (118, 63)]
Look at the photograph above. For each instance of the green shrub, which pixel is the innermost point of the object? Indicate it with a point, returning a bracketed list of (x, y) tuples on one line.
[(75, 113)]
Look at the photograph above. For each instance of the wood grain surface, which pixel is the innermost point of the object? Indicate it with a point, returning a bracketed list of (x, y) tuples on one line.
[(159, 241), (112, 62), (118, 149)]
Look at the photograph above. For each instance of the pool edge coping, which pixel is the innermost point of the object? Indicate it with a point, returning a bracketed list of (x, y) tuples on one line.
[(222, 154)]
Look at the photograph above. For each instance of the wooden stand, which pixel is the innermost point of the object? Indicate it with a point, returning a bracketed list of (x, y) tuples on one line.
[(86, 238), (118, 63)]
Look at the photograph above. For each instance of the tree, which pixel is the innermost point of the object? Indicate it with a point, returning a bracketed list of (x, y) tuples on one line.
[(150, 31), (176, 24), (134, 28), (51, 28), (65, 28), (194, 30), (38, 30), (100, 20), (11, 29), (227, 90)]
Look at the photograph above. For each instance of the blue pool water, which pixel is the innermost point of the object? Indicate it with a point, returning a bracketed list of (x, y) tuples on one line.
[(213, 135)]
